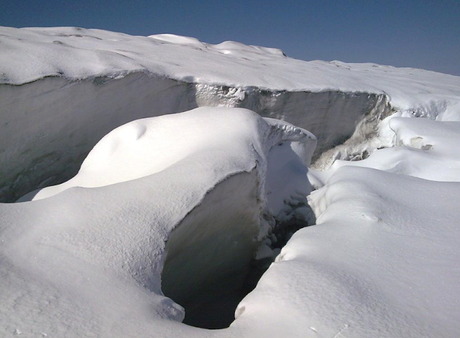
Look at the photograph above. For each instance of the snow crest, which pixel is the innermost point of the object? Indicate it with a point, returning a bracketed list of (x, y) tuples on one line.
[(29, 54)]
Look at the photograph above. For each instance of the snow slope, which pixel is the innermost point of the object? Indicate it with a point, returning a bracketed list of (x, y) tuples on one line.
[(380, 262), (382, 259)]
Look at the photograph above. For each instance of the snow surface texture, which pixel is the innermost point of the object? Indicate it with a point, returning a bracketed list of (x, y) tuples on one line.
[(382, 260), (87, 259), (92, 81), (29, 54)]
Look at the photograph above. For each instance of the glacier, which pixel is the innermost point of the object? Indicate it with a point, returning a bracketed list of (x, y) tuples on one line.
[(89, 81), (136, 206)]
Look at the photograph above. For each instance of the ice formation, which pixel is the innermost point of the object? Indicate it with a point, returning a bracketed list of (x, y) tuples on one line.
[(85, 257), (63, 89), (112, 220)]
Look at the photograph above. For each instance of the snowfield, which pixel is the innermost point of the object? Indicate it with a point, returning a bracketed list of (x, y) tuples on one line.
[(175, 209), (30, 54)]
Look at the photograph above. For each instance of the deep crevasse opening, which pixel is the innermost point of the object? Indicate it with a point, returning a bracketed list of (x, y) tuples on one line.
[(216, 255), (210, 251)]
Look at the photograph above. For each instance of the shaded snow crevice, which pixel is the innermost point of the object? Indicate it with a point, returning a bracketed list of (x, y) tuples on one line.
[(209, 252), (216, 255), (49, 125), (219, 251)]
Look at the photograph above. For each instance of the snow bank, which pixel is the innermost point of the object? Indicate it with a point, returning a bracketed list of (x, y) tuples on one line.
[(29, 54), (381, 261), (88, 257)]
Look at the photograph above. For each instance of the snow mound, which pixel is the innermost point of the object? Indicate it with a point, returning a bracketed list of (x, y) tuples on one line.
[(88, 257), (384, 253), (148, 146)]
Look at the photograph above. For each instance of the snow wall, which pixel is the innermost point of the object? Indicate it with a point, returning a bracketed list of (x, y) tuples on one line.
[(210, 251), (49, 125)]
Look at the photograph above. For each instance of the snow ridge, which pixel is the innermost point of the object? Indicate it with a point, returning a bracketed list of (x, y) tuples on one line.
[(29, 54)]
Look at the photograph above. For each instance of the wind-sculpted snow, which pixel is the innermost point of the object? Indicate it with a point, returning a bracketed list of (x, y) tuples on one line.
[(63, 89), (87, 259), (382, 261), (29, 54)]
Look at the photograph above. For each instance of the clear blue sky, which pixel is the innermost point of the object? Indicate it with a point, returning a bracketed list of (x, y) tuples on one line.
[(423, 34)]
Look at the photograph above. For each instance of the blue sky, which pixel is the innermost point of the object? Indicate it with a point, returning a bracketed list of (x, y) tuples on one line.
[(422, 34)]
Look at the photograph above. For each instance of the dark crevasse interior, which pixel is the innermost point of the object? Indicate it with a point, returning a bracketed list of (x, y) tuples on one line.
[(210, 266), (210, 252)]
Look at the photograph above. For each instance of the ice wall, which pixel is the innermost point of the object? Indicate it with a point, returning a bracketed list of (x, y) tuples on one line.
[(210, 251), (49, 125), (332, 116)]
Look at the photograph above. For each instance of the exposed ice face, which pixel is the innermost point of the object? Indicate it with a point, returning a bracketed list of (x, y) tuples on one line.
[(66, 119), (92, 81)]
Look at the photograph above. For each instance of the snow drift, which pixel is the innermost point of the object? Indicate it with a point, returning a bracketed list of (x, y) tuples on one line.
[(96, 244)]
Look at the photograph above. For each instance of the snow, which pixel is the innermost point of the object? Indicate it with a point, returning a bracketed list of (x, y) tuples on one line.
[(85, 257), (381, 261), (384, 253), (50, 125), (29, 54), (416, 147), (63, 89), (88, 257), (382, 258)]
